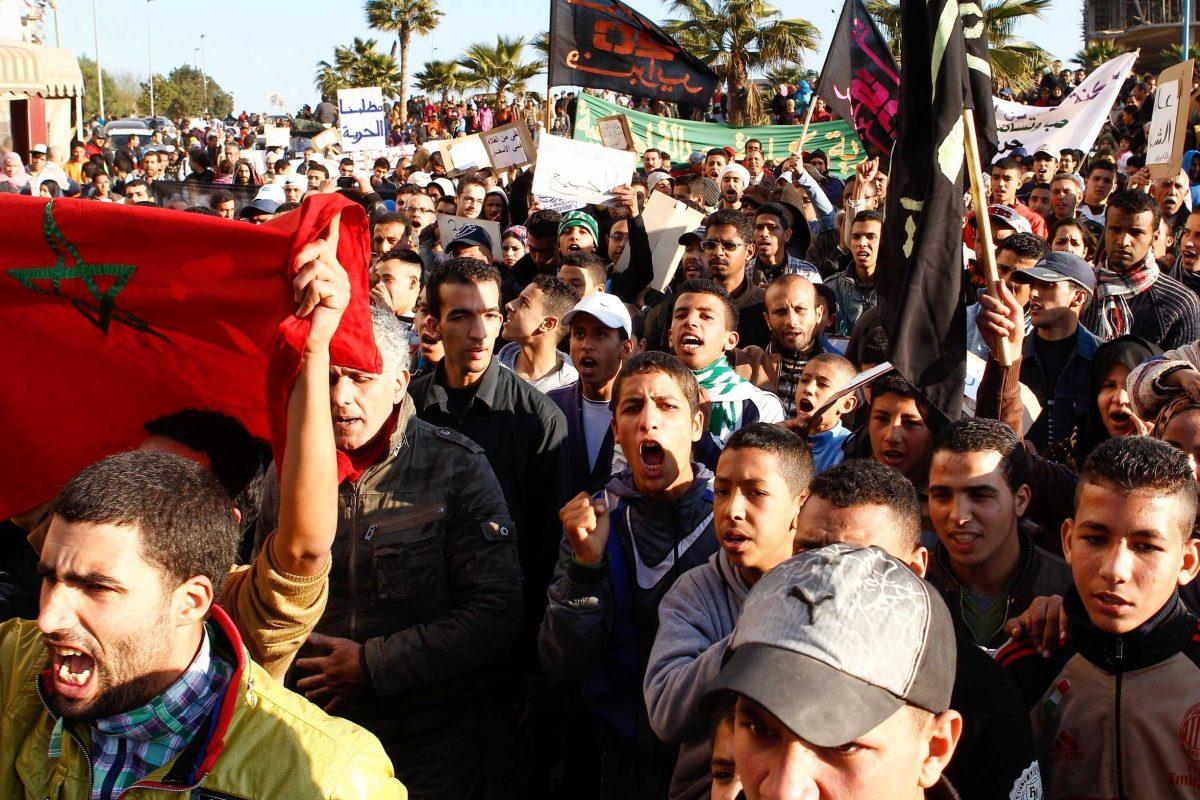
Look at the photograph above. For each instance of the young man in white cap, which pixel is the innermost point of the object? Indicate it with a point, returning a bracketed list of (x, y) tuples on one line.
[(842, 664), (734, 180), (600, 333)]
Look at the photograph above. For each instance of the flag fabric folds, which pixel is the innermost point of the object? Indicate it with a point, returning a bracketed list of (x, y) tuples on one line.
[(860, 81), (921, 262), (114, 315), (605, 44)]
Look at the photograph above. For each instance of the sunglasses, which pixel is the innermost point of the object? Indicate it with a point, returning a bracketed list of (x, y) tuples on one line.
[(729, 246)]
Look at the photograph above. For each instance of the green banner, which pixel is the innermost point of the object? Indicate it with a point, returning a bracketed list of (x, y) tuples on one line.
[(681, 137)]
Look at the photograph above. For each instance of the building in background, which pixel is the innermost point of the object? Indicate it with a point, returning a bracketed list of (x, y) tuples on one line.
[(1149, 24), (41, 87)]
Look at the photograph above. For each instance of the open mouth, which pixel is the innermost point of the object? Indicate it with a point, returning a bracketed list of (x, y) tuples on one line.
[(892, 458), (806, 405), (690, 343), (73, 670), (734, 542), (1120, 416), (345, 424), (587, 362), (652, 456), (574, 248)]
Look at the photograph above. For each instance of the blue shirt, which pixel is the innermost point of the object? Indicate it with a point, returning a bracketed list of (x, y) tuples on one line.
[(827, 447)]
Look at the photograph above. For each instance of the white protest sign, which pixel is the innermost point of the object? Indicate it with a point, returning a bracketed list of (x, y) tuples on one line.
[(1074, 124), (580, 171), (615, 132), (449, 227), (666, 219), (1032, 409), (1161, 139), (361, 119), (509, 146), (558, 204), (277, 135), (467, 153)]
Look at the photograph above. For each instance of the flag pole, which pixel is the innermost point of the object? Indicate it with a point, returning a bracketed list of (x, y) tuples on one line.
[(804, 131), (984, 252)]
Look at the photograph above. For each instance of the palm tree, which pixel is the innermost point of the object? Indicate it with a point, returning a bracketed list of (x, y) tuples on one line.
[(498, 67), (1171, 54), (1097, 53), (736, 37), (1014, 61), (439, 77), (403, 18), (785, 73), (360, 64)]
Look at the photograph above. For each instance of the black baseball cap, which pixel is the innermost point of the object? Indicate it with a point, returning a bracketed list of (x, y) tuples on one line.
[(1055, 267)]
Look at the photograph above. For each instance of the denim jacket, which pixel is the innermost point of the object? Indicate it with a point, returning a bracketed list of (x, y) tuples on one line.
[(1066, 403)]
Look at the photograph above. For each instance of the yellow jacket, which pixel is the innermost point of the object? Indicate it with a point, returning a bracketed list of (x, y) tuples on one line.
[(264, 742)]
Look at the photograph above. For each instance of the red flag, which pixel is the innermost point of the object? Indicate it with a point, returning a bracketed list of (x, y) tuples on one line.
[(113, 315)]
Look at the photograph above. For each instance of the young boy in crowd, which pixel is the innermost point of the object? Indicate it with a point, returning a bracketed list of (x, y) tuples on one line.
[(585, 272), (1114, 713), (703, 329), (761, 480), (533, 329), (822, 377), (723, 771), (622, 551)]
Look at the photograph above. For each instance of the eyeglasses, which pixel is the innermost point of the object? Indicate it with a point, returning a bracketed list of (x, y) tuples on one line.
[(710, 245), (618, 237)]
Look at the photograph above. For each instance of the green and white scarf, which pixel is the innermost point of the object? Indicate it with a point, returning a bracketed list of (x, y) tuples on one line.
[(726, 392)]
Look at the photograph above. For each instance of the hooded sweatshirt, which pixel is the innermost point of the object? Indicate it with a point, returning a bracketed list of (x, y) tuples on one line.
[(695, 622)]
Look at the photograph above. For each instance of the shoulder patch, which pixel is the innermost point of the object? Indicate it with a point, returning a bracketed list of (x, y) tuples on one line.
[(449, 435)]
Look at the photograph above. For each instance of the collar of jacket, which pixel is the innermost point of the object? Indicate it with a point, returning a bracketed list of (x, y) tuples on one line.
[(200, 756), (1086, 344), (1166, 633), (1018, 584), (485, 390), (622, 485)]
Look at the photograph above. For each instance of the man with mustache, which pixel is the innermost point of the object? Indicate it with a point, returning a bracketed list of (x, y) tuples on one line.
[(1132, 295)]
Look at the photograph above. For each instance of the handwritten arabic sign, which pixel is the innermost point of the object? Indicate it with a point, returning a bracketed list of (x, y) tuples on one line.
[(605, 44), (577, 170), (1172, 102), (450, 226), (681, 137), (615, 133), (361, 119), (509, 146), (1074, 124)]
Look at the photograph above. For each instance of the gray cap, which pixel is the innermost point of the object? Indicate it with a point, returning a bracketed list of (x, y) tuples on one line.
[(834, 641), (697, 235), (1055, 267)]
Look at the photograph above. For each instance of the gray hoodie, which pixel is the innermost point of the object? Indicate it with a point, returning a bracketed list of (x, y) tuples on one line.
[(695, 621)]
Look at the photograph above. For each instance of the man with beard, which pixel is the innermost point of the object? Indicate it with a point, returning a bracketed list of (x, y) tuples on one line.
[(727, 248), (734, 179), (132, 677), (793, 315), (1132, 295)]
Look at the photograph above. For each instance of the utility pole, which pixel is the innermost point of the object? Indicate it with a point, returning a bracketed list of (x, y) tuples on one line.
[(150, 61), (1187, 27), (99, 70), (204, 74)]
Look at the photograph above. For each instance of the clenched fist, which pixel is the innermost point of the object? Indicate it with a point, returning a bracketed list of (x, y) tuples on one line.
[(586, 522)]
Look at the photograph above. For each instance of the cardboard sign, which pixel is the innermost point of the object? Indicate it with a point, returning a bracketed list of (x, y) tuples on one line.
[(1168, 126), (509, 146), (326, 138), (615, 132), (361, 120), (466, 154), (449, 226), (575, 170), (1031, 410), (666, 219)]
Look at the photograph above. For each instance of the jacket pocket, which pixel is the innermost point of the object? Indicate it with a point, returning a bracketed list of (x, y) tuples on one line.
[(411, 571)]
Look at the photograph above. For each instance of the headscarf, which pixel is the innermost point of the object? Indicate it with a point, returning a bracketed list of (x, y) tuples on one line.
[(517, 231), (1181, 403), (21, 177), (498, 192), (1128, 350)]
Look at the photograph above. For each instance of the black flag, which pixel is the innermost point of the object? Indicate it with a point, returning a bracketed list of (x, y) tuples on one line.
[(921, 262), (860, 81), (605, 44)]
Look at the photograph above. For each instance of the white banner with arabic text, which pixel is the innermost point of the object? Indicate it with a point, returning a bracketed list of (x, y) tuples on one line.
[(1074, 124)]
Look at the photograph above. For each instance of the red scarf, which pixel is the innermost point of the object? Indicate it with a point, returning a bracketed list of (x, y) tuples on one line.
[(372, 452)]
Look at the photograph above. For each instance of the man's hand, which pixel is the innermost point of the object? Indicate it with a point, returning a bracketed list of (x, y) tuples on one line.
[(321, 287), (1186, 379), (586, 523), (1001, 318), (625, 197), (336, 673), (864, 177), (1141, 180), (1045, 622)]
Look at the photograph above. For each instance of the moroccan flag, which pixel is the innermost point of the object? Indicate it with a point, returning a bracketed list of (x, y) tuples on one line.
[(920, 262), (605, 44), (860, 81), (113, 315)]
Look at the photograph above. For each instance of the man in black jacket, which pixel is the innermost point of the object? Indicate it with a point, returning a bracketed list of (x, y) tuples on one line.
[(987, 569)]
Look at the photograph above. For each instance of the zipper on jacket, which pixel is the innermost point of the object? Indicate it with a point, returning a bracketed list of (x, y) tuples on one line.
[(1119, 665), (87, 756), (353, 576)]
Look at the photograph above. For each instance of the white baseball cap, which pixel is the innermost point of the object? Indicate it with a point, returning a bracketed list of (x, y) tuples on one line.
[(605, 307)]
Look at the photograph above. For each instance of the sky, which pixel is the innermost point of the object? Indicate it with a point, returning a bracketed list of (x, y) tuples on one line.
[(252, 48)]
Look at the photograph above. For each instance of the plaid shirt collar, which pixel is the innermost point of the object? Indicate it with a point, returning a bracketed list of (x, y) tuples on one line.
[(128, 746)]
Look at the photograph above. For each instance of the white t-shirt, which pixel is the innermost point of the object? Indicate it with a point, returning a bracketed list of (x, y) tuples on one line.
[(597, 417)]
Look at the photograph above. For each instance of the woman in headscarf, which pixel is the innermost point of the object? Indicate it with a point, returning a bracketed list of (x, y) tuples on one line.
[(495, 207), (1112, 412), (14, 171), (49, 188), (514, 244)]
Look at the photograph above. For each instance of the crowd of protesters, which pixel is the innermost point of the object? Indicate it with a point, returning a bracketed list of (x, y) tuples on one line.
[(596, 540)]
